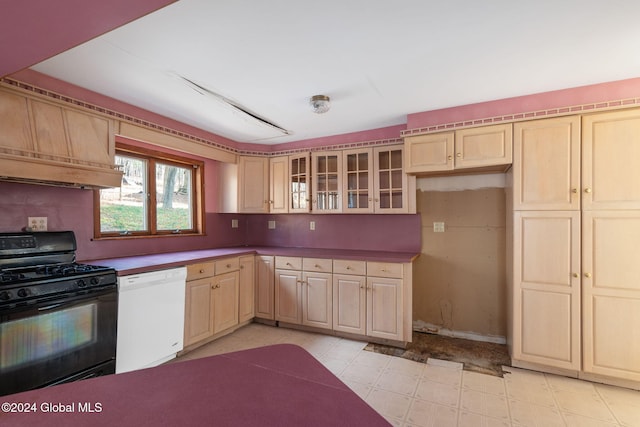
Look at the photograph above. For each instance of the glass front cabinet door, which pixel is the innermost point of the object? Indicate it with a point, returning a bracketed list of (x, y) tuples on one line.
[(299, 183), (327, 182), (390, 181), (375, 180), (358, 175)]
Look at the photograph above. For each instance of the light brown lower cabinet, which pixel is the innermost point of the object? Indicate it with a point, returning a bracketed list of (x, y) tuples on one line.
[(264, 304), (198, 323), (611, 294), (546, 300), (385, 308), (212, 300), (224, 298), (357, 297), (303, 291), (371, 298), (350, 303), (246, 293)]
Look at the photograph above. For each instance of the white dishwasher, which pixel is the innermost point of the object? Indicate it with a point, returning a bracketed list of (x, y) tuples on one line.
[(150, 318)]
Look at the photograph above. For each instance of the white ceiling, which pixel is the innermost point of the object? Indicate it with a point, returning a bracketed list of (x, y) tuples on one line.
[(378, 60)]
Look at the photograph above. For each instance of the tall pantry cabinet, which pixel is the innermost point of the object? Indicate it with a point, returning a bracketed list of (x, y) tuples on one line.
[(611, 244), (576, 239)]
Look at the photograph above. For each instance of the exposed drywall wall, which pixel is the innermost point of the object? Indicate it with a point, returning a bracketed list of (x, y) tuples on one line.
[(459, 279)]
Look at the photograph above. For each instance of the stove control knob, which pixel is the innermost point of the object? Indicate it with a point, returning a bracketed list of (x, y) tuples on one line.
[(4, 296), (81, 283), (94, 281), (24, 293)]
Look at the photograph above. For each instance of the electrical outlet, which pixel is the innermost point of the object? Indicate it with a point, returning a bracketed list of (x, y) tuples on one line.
[(37, 223), (234, 223), (272, 225), (312, 225), (438, 227)]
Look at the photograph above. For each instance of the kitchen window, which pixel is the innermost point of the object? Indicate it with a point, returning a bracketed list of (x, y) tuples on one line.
[(160, 194)]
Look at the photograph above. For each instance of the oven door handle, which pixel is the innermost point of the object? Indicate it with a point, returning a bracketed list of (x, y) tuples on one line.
[(50, 307)]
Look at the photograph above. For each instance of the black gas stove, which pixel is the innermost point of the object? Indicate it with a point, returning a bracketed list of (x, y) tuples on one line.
[(58, 318), (39, 265)]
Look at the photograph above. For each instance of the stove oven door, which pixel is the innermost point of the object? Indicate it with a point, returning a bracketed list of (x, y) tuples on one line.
[(54, 341)]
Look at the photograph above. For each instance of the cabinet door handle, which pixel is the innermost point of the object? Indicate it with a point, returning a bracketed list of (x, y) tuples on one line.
[(348, 267), (587, 190), (289, 264), (228, 265), (201, 270), (575, 274), (574, 190), (317, 266), (587, 275), (459, 155), (449, 157)]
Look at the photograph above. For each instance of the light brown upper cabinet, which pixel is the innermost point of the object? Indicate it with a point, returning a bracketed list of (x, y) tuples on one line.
[(546, 164), (611, 160), (467, 150), (253, 184), (279, 184)]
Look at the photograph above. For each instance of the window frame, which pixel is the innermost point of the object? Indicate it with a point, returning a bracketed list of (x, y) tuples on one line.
[(152, 157)]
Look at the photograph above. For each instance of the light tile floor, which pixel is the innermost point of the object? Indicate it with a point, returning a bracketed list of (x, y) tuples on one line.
[(440, 394)]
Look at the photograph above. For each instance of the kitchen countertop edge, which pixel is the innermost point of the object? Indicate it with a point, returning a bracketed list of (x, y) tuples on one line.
[(145, 263)]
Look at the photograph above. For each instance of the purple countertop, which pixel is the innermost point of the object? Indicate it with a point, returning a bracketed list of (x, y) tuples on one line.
[(145, 263)]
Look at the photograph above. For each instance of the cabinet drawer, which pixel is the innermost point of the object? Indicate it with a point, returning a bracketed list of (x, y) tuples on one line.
[(200, 270), (227, 265), (289, 263), (359, 268), (316, 264), (384, 269)]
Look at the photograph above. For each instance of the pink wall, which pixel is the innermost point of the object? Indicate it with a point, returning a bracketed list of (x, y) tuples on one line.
[(603, 92), (395, 233), (72, 209)]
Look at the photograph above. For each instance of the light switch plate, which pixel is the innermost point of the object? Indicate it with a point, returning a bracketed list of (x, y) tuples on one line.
[(312, 225), (438, 227), (272, 225), (234, 223)]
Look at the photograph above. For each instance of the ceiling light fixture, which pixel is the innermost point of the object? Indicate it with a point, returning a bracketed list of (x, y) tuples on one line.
[(320, 103)]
